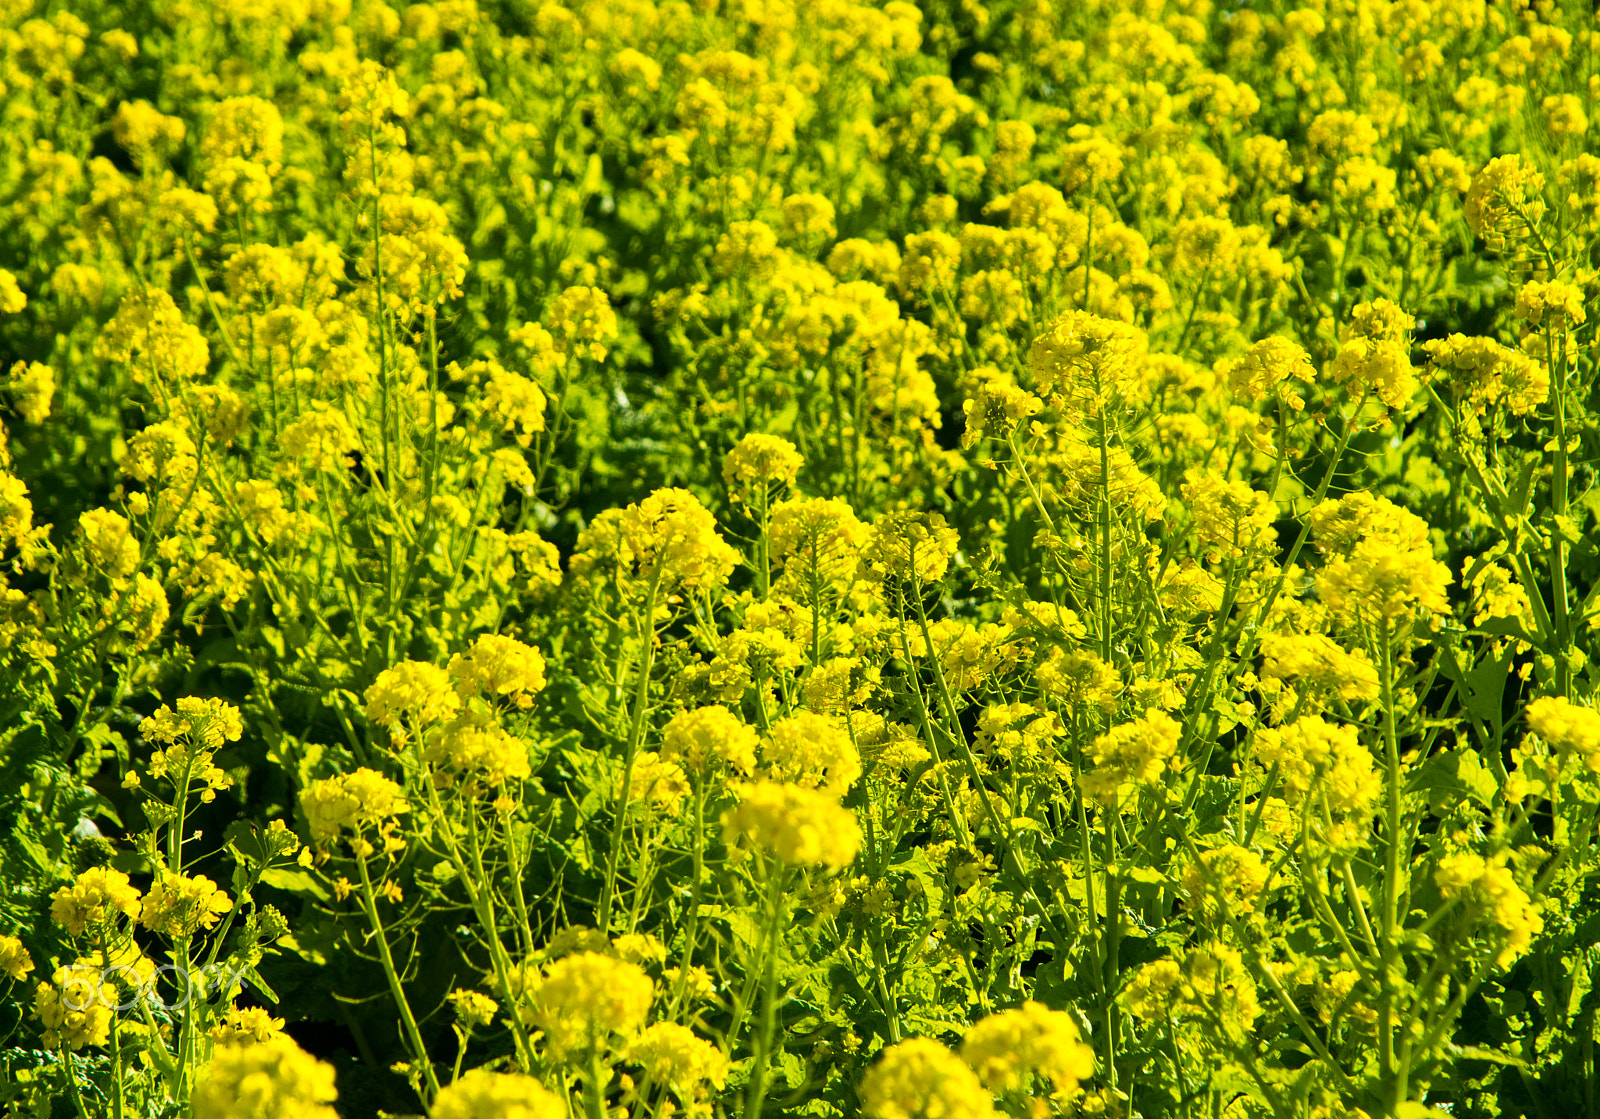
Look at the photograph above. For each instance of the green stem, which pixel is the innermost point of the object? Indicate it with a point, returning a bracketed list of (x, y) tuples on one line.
[(756, 1097), (1112, 945), (647, 633), (1394, 1078), (408, 1021)]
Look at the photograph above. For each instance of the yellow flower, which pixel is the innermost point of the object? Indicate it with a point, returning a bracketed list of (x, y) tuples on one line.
[(996, 411), (581, 320), (1216, 984), (498, 1095), (1090, 361), (109, 545), (247, 128), (206, 723), (586, 997), (1321, 662), (1375, 351), (928, 265), (671, 1054), (246, 1026), (1136, 752), (32, 386), (518, 403), (656, 781), (178, 906), (1385, 567), (14, 959), (473, 742), (1340, 134), (473, 1008), (350, 800), (694, 738), (413, 690), (92, 899), (1089, 161), (1567, 726), (1225, 882), (77, 1014), (914, 547), (149, 326), (1005, 1048), (12, 297), (814, 751), (1080, 678), (764, 461), (808, 215), (748, 248), (1273, 366), (270, 1079), (1152, 991), (1322, 761), (1564, 116), (921, 1079), (1553, 302), (668, 536), (1486, 374), (1491, 893), (1229, 517), (815, 538), (499, 668), (1505, 201), (803, 827)]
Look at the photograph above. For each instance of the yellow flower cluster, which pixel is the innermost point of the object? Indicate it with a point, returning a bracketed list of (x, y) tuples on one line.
[(179, 906), (246, 1025), (269, 1079), (502, 669), (1211, 980), (1007, 1048), (921, 1079), (671, 1054), (760, 463), (1273, 368), (909, 547), (1225, 883), (15, 963), (474, 743), (75, 1011), (800, 826), (813, 751), (1323, 763), (1488, 889), (1229, 518), (656, 781), (1138, 752), (1567, 727), (498, 1095), (1318, 662), (668, 538), (411, 690), (694, 739), (1375, 352), (1382, 570), (350, 800), (586, 997), (94, 899), (815, 538), (205, 723)]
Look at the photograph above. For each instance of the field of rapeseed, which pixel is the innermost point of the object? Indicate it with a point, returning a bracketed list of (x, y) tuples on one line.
[(805, 558)]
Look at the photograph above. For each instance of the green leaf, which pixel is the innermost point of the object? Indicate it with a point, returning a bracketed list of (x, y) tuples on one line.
[(294, 881), (1457, 773)]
